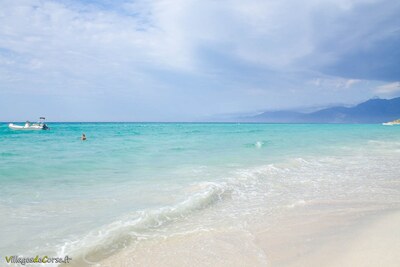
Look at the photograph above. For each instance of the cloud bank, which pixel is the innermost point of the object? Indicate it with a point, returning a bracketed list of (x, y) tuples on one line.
[(184, 60)]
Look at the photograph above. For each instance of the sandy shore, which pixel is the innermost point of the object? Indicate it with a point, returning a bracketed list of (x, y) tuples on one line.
[(375, 242), (306, 238), (371, 239)]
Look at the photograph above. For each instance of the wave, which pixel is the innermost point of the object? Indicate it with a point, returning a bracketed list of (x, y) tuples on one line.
[(384, 143), (294, 183), (259, 144), (107, 240)]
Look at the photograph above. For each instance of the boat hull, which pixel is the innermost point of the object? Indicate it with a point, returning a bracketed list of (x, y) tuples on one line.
[(27, 128)]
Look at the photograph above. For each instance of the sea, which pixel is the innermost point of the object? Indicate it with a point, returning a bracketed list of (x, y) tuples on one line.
[(133, 182)]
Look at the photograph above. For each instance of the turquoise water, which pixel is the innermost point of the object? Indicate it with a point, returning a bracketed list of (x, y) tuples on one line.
[(62, 195)]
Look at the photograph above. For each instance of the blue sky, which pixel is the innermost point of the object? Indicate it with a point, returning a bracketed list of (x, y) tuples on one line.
[(183, 60)]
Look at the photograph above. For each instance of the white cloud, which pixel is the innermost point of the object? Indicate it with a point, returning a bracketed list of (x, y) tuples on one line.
[(334, 82), (349, 83), (162, 34), (156, 51), (388, 89)]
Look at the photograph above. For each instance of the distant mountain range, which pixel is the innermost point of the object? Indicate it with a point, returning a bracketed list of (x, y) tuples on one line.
[(371, 111)]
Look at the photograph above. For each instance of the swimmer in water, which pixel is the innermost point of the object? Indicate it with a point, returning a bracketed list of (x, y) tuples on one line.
[(83, 138)]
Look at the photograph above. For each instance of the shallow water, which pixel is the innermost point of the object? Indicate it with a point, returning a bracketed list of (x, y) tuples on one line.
[(131, 182)]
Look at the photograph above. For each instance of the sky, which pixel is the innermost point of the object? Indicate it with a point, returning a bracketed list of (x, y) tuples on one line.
[(184, 60)]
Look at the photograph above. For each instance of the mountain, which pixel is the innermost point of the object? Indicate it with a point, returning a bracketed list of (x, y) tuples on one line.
[(371, 111)]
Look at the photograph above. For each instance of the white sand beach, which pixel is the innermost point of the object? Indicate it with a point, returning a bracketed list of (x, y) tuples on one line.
[(357, 240), (336, 238)]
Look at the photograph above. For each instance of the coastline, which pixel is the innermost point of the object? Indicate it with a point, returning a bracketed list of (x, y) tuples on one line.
[(366, 237), (214, 195)]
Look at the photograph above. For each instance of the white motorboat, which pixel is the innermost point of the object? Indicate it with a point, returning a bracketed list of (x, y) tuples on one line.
[(40, 125)]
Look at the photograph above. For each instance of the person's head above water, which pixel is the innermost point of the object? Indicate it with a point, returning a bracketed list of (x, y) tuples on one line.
[(83, 137)]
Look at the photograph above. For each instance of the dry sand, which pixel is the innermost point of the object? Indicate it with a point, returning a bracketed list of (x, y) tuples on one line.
[(308, 238), (335, 240)]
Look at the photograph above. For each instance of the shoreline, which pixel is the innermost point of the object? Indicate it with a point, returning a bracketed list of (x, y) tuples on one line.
[(199, 196), (368, 237)]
